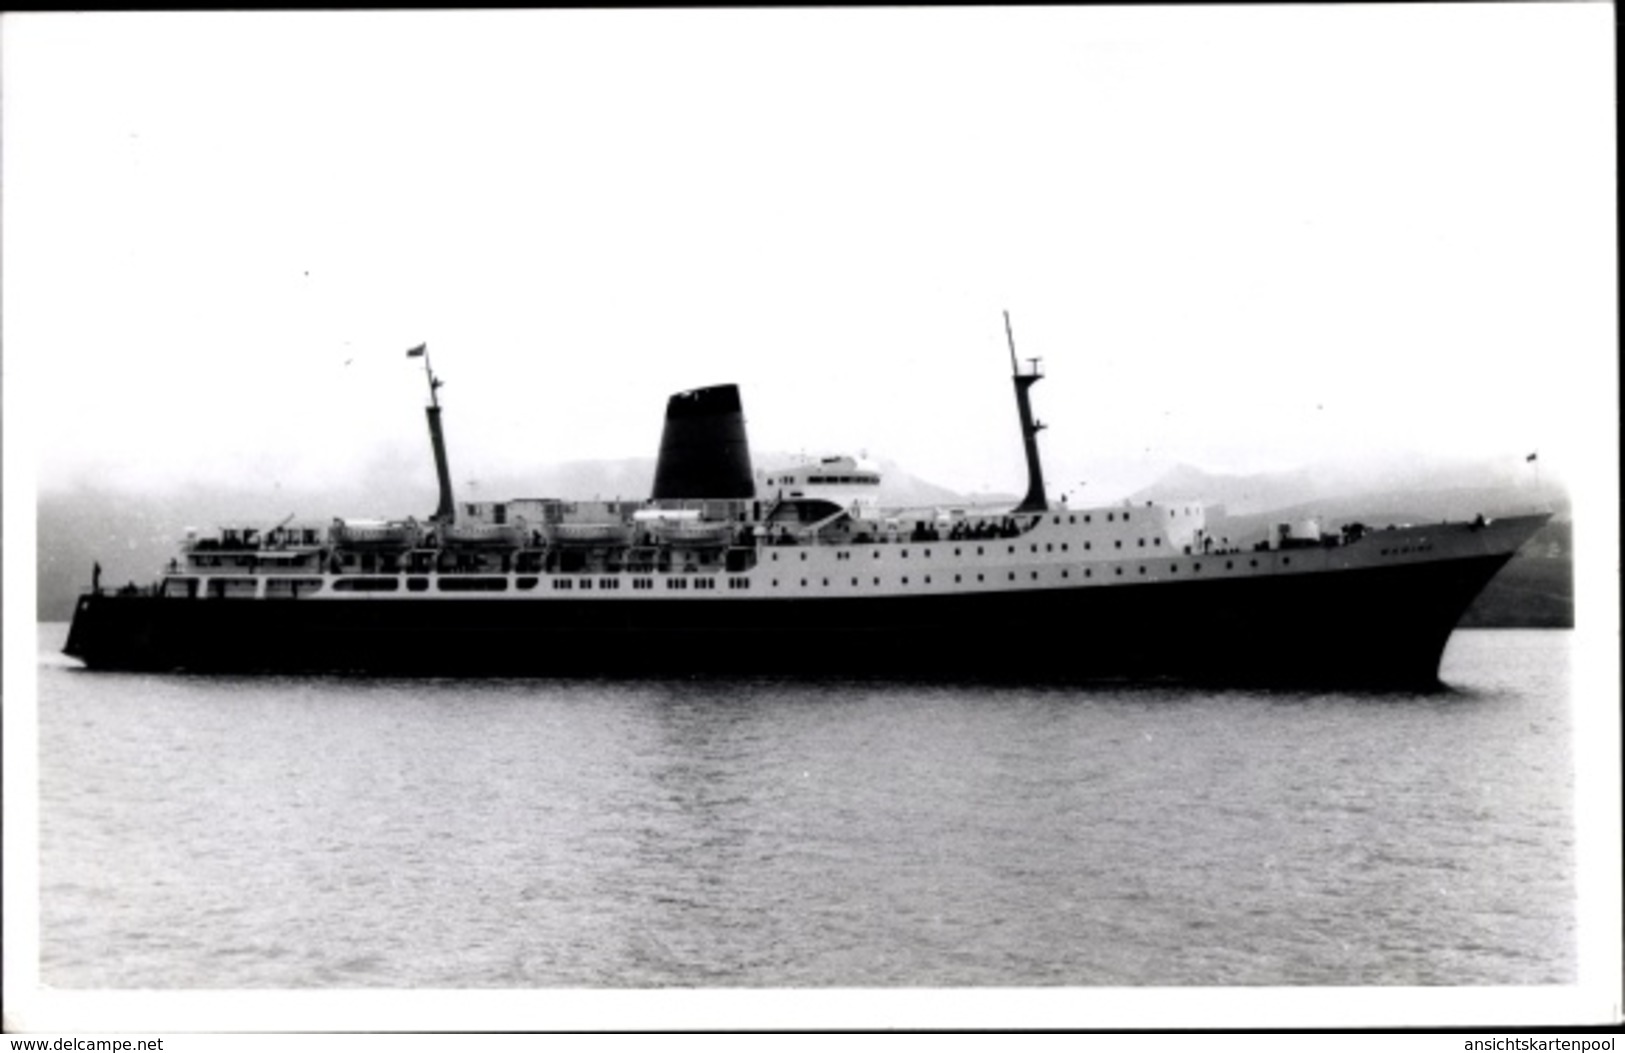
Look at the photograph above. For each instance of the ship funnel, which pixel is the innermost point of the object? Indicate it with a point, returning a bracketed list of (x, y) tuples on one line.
[(703, 449)]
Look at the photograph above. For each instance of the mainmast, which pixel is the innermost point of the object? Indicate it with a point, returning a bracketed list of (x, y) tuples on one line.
[(1034, 501), (446, 511)]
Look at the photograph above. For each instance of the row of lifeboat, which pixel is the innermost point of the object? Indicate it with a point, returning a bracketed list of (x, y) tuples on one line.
[(678, 531)]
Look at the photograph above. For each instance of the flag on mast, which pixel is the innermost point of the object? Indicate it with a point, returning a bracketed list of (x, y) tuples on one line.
[(418, 351), (1531, 457)]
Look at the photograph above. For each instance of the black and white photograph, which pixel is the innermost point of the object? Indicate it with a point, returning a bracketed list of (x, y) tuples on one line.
[(1057, 517)]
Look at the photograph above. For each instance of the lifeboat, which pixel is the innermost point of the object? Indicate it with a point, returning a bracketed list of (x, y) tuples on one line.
[(484, 535), (691, 533), (373, 533), (582, 534)]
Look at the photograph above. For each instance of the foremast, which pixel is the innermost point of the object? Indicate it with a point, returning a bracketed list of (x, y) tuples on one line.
[(446, 511), (1035, 500)]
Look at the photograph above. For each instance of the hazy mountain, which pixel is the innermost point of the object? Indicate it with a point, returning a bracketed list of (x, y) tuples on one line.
[(133, 535)]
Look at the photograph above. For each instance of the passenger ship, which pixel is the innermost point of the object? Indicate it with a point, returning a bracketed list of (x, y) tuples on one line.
[(801, 572)]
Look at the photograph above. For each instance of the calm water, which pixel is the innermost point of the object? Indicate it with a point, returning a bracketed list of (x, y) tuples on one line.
[(237, 832)]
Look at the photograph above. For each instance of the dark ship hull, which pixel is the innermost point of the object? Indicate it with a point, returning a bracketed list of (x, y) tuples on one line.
[(1379, 626)]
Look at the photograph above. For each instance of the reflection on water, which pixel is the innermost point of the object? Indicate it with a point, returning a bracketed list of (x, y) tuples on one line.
[(275, 832)]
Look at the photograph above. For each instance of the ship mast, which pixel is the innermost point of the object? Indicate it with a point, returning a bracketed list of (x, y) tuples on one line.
[(446, 511), (1035, 500)]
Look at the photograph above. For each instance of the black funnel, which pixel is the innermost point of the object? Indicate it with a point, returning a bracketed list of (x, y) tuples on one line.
[(703, 449)]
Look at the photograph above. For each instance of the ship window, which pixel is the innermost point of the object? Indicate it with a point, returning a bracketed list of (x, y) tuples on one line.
[(905, 553), (928, 579), (956, 552), (775, 583), (826, 581), (956, 579), (1035, 548), (1063, 546), (1252, 562), (877, 553), (803, 582), (561, 583), (1285, 560), (1173, 568), (877, 581), (803, 557), (1066, 574), (1142, 570), (422, 584), (854, 581), (978, 550), (279, 588), (1229, 564), (1035, 575), (1012, 549), (775, 557), (1087, 545), (1088, 573), (1118, 543), (1125, 517), (1087, 519), (1196, 568), (479, 584), (1142, 542), (608, 583), (1012, 575), (1050, 547), (927, 553), (1119, 572), (1110, 516), (356, 585), (586, 583), (905, 581)]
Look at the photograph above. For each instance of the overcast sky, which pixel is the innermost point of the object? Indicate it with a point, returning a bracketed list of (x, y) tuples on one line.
[(1240, 238)]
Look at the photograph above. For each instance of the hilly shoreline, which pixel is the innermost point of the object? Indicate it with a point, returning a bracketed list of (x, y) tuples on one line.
[(132, 535)]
